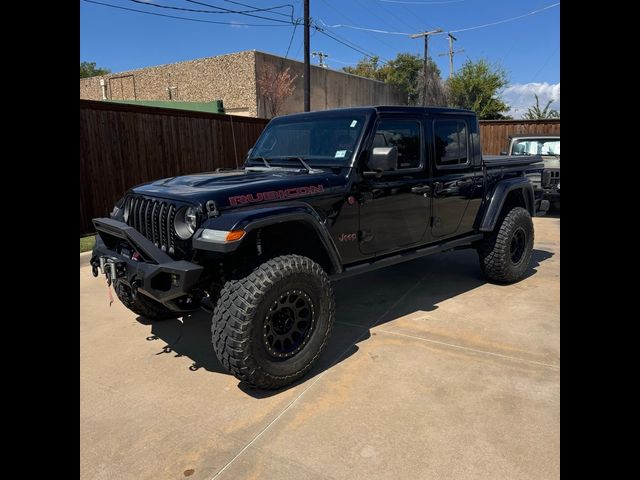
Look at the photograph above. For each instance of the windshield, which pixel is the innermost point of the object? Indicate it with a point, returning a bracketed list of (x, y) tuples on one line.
[(537, 146), (319, 141)]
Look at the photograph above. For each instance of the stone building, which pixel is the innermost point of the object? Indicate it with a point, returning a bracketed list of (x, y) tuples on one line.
[(232, 78)]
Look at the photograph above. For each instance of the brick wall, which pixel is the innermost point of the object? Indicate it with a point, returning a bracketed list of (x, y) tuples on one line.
[(232, 78), (227, 77)]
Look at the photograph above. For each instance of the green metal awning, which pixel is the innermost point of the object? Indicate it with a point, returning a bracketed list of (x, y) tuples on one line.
[(215, 106)]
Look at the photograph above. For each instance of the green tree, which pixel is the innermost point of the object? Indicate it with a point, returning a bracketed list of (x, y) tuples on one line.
[(405, 72), (89, 69), (367, 67), (477, 87), (536, 113)]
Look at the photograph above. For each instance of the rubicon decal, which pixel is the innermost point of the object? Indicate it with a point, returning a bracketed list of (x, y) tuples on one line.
[(275, 195)]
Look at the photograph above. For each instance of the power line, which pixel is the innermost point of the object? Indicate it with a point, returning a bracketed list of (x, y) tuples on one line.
[(401, 21), (291, 40), (412, 14), (353, 46), (185, 18), (423, 3), (219, 12), (506, 20), (281, 23), (372, 11), (375, 30), (343, 62), (351, 20), (344, 43), (238, 12), (534, 12), (276, 13), (545, 64)]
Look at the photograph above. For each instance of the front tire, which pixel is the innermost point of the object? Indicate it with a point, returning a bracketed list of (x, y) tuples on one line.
[(505, 254), (270, 327)]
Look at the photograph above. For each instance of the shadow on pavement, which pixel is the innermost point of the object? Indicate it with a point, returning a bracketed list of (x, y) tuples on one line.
[(362, 302)]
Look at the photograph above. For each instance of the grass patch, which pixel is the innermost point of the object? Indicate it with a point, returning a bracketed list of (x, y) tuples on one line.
[(87, 243)]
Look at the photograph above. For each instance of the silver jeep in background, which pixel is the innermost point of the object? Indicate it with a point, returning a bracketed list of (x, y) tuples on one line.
[(547, 146)]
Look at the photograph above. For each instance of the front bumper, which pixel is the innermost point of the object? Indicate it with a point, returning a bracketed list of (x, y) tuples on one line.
[(126, 255)]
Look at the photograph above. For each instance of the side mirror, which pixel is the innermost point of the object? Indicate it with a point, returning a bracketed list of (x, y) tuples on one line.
[(503, 153), (383, 159)]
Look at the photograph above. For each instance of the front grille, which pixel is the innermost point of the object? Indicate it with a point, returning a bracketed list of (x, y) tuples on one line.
[(550, 178), (154, 220)]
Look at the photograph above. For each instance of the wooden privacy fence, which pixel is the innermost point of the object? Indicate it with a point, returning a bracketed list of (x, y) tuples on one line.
[(494, 134), (124, 145)]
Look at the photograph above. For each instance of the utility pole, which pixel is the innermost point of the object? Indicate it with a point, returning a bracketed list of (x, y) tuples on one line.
[(321, 57), (426, 57), (451, 53), (307, 64)]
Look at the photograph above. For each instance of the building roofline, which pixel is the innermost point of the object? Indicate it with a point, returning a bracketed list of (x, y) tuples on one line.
[(126, 72), (316, 66)]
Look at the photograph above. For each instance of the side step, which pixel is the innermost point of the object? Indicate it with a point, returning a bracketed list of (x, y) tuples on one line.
[(394, 259)]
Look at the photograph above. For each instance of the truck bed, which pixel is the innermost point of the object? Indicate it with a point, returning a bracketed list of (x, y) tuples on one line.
[(491, 161)]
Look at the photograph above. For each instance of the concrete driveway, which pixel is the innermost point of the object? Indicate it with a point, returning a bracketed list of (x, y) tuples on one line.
[(430, 373)]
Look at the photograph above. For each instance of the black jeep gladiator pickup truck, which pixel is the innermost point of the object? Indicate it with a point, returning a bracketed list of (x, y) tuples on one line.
[(322, 195)]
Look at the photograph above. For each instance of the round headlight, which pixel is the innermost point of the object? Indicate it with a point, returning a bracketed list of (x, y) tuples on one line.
[(185, 222)]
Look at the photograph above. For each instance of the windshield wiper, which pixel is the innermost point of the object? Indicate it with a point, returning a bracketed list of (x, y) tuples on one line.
[(304, 164), (261, 159)]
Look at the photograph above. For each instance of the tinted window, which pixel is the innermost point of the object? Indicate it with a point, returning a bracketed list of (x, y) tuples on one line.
[(451, 142), (325, 140), (403, 134)]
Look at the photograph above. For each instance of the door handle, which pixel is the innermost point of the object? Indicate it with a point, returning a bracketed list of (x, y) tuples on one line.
[(463, 183), (421, 189)]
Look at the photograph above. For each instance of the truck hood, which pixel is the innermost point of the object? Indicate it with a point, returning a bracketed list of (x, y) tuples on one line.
[(240, 187), (551, 161)]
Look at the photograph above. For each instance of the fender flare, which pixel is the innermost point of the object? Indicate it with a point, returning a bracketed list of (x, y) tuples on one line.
[(498, 197), (251, 219)]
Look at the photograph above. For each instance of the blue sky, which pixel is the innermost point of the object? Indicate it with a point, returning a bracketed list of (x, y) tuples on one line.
[(528, 48)]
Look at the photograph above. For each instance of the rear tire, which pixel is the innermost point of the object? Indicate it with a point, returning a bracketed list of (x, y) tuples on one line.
[(270, 327), (142, 305), (505, 253)]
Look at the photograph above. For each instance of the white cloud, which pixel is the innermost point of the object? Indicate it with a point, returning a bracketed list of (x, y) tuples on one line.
[(520, 97)]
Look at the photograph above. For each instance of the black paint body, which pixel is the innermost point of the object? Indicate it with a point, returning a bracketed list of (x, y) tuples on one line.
[(359, 218)]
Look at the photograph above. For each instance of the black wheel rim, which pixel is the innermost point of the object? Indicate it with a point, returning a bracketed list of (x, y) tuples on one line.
[(288, 324), (518, 245)]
